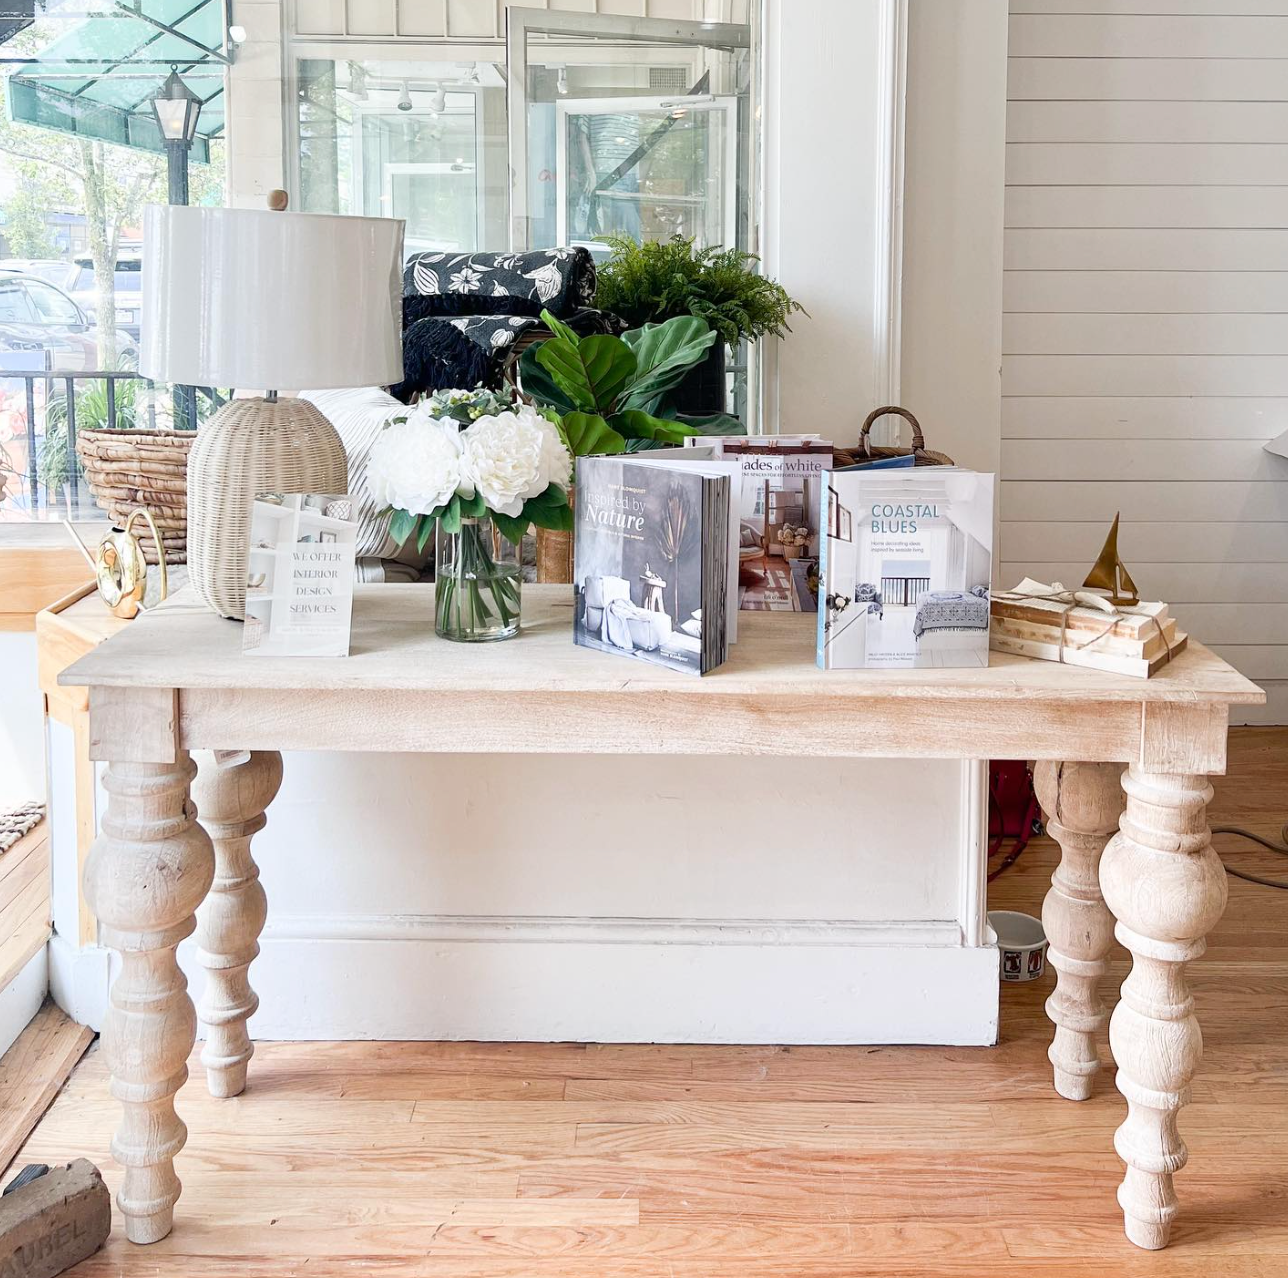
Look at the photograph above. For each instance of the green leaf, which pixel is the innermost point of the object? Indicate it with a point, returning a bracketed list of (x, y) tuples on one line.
[(473, 507), (550, 499), (632, 424), (510, 528), (450, 517), (401, 525), (664, 353), (593, 374), (425, 533), (588, 433), (558, 518), (713, 424), (539, 386), (559, 328)]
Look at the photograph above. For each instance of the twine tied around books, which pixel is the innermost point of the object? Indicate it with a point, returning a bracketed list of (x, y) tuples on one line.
[(1068, 600)]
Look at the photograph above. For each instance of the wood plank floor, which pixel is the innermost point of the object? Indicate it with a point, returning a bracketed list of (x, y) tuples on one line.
[(532, 1160)]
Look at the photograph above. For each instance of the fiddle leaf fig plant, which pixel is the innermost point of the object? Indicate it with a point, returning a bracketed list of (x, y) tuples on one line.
[(611, 394)]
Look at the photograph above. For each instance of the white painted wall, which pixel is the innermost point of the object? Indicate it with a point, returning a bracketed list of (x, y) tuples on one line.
[(22, 731), (1145, 331)]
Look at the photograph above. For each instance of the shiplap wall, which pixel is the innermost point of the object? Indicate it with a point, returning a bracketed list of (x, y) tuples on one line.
[(1145, 334)]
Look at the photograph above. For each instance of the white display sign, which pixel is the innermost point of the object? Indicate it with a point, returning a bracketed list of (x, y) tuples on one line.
[(299, 575)]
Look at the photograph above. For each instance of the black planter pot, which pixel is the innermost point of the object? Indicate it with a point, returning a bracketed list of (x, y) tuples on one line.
[(703, 390)]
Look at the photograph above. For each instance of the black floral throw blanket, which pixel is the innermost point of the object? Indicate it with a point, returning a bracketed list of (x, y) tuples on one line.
[(463, 311)]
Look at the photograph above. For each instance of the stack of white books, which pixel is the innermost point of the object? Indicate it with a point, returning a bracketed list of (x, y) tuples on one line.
[(1134, 639)]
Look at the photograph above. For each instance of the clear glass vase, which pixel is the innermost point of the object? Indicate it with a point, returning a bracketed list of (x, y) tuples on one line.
[(477, 581)]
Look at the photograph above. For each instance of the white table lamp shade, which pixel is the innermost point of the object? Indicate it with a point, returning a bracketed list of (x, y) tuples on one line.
[(255, 300)]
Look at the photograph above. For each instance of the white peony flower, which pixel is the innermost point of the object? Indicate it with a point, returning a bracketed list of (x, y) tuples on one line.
[(415, 465), (510, 457), (556, 460)]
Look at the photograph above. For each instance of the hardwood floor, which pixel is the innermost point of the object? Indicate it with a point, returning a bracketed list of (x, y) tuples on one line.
[(518, 1161)]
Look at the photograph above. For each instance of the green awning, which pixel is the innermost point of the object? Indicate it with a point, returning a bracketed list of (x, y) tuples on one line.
[(95, 72)]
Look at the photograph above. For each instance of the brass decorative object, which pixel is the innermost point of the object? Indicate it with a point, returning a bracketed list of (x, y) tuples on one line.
[(1110, 573), (120, 570)]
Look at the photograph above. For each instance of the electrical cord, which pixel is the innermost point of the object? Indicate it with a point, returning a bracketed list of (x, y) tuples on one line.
[(1281, 848)]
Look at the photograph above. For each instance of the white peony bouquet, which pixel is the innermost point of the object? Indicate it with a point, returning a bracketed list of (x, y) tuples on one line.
[(511, 466)]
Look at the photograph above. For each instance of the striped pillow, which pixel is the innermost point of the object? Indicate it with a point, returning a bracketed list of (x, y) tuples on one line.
[(359, 415)]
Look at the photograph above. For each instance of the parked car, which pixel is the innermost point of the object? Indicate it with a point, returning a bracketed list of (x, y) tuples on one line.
[(41, 327), (57, 271), (128, 280)]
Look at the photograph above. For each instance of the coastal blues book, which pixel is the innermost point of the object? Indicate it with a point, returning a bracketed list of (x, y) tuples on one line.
[(779, 538), (655, 559), (906, 567)]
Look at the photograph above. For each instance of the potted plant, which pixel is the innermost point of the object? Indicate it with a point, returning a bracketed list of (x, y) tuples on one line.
[(659, 280), (611, 395)]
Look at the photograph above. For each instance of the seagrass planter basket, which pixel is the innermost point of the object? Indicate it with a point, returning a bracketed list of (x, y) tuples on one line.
[(127, 468)]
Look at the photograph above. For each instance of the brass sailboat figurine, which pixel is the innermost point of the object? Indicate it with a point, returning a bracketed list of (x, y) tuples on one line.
[(1110, 573)]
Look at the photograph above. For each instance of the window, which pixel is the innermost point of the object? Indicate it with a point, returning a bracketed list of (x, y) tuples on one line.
[(409, 140), (15, 307), (52, 306)]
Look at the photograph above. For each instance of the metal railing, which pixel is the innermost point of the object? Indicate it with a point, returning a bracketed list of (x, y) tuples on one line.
[(903, 591), (184, 415)]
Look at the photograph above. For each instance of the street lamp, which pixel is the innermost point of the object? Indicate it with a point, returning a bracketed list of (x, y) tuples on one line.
[(177, 109)]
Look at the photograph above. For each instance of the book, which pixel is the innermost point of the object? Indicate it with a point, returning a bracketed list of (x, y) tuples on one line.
[(1134, 639), (655, 559), (780, 481), (299, 575), (906, 568)]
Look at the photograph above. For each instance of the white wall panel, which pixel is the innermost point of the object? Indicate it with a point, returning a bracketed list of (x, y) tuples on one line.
[(1113, 122), (1146, 300), (1199, 501), (1200, 164), (1189, 292), (1192, 79), (1054, 333), (1149, 206), (1135, 35), (1150, 417)]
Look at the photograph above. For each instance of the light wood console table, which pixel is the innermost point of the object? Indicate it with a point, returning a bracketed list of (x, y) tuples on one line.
[(175, 681)]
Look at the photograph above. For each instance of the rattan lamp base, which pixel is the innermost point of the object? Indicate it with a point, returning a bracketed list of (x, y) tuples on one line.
[(251, 446)]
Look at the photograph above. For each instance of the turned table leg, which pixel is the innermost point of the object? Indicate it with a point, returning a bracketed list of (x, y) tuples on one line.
[(230, 804), (1082, 802), (1167, 888), (147, 871)]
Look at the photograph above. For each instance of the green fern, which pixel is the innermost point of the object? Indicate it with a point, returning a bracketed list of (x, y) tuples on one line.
[(658, 280)]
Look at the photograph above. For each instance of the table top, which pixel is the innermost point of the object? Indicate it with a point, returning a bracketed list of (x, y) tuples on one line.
[(183, 645)]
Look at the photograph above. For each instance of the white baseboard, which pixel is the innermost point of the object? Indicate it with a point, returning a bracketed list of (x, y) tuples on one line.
[(620, 980), (79, 980), (20, 1000)]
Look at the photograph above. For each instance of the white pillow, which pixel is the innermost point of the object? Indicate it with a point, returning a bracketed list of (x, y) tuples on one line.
[(359, 415)]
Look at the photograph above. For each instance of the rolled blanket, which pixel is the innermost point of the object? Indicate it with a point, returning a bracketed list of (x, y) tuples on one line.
[(630, 627), (559, 280)]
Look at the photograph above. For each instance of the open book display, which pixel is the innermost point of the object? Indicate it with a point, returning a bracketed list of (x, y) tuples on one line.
[(656, 570), (906, 567)]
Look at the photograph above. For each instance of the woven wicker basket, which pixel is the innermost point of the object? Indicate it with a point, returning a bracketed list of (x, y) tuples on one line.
[(126, 469), (868, 451)]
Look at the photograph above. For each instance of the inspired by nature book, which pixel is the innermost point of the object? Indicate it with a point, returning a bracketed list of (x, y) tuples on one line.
[(906, 568), (654, 554), (779, 538)]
